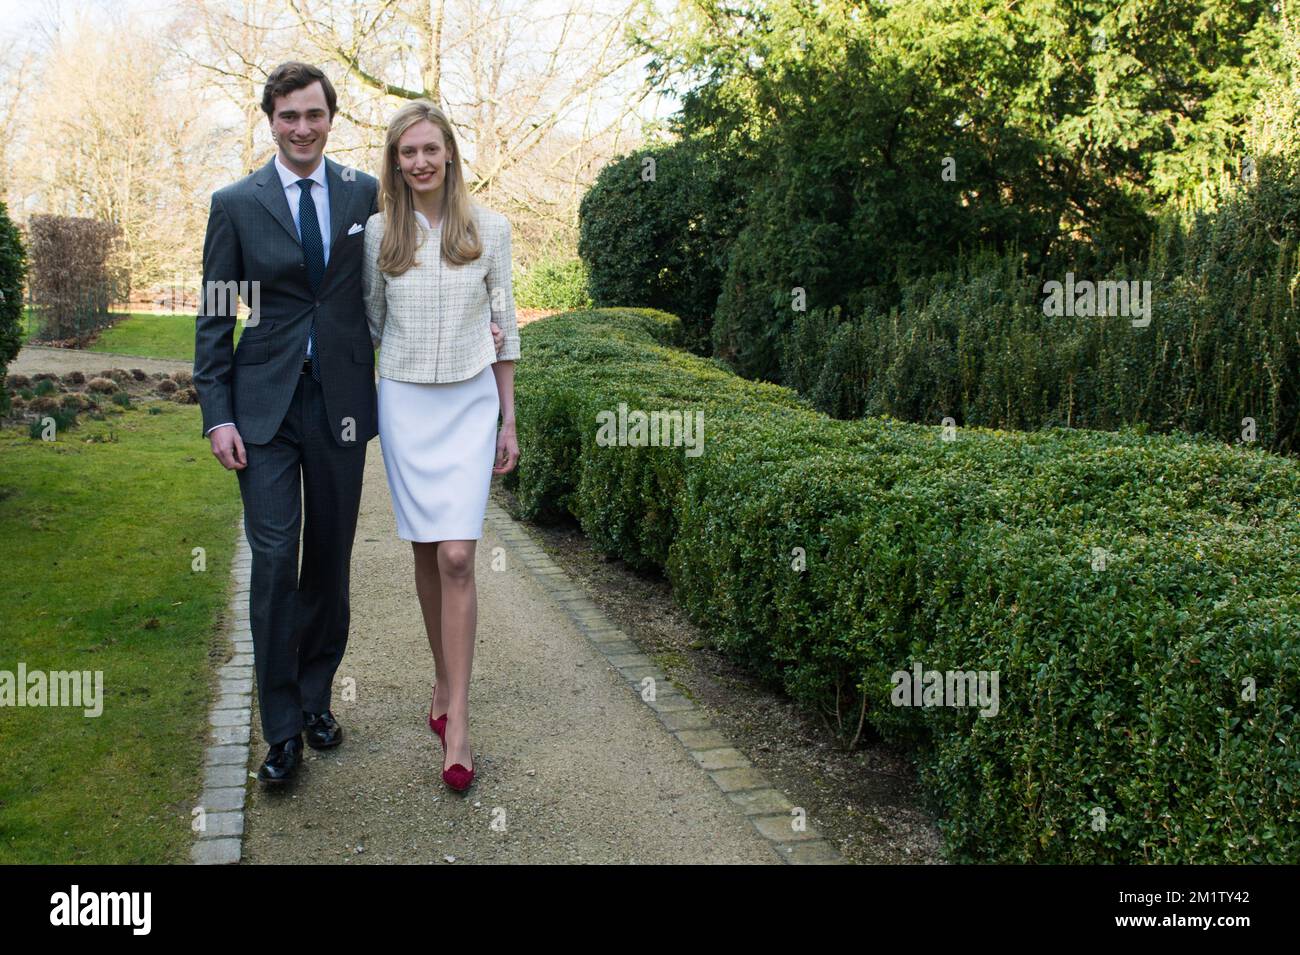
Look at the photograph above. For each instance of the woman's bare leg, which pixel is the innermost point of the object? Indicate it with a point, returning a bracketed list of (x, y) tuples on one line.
[(428, 586), (459, 620)]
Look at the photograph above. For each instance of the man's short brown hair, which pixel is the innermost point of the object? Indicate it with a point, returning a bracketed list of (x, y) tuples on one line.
[(291, 76)]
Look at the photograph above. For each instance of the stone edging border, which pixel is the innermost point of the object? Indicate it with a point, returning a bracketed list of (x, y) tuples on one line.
[(765, 807), (225, 774)]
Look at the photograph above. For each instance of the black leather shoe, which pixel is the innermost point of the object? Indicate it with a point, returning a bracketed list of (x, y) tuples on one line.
[(281, 762), (322, 729)]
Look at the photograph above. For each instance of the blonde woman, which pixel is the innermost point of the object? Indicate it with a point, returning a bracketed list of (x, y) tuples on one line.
[(436, 271)]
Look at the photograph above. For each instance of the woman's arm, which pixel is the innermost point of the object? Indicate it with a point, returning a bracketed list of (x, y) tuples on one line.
[(373, 282), (507, 442), (501, 298)]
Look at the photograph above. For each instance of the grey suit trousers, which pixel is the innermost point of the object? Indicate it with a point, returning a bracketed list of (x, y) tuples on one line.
[(299, 618)]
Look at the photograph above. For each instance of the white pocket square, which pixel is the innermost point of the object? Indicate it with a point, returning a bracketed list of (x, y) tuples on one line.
[(356, 227)]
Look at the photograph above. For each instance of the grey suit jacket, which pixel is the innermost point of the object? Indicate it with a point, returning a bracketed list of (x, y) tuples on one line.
[(251, 238)]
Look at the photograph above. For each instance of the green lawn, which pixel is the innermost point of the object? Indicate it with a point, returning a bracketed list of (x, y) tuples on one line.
[(152, 336), (29, 324), (95, 574), (145, 334)]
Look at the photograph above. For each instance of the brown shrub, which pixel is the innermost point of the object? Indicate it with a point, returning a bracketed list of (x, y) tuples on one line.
[(18, 381), (43, 403), (138, 374), (182, 377), (103, 385), (75, 274), (186, 396), (74, 378), (166, 386)]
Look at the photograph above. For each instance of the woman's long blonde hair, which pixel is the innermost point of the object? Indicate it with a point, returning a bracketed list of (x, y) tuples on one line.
[(460, 238)]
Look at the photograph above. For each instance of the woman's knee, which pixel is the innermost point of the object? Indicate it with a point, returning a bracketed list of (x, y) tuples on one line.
[(456, 558)]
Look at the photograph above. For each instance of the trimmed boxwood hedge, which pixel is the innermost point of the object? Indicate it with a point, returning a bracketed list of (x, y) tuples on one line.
[(13, 275), (1147, 709)]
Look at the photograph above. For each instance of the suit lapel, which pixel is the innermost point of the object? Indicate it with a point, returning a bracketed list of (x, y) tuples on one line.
[(340, 200), (270, 193)]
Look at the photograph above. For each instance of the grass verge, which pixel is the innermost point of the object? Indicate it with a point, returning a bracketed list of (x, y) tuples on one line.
[(97, 531), (144, 334)]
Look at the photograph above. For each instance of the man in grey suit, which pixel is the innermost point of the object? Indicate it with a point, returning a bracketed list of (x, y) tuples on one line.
[(295, 402)]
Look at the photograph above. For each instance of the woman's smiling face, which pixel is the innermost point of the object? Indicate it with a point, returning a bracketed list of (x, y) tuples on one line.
[(422, 155)]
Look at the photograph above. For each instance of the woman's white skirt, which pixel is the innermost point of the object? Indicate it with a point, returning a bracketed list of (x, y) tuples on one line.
[(439, 445)]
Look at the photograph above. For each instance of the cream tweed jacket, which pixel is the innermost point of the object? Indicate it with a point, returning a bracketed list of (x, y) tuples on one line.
[(431, 322)]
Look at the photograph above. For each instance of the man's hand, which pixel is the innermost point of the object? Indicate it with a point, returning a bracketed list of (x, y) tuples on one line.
[(498, 336), (228, 447)]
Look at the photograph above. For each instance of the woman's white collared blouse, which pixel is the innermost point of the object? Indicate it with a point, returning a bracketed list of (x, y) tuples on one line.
[(431, 322)]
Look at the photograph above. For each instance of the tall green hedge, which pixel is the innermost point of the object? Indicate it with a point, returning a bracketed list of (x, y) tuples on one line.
[(13, 273), (654, 230), (1147, 704), (972, 342)]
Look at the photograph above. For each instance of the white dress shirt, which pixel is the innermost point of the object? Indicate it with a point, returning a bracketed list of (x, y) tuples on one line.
[(320, 194)]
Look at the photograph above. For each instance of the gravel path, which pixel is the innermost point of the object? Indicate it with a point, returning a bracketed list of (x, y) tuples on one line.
[(571, 766), (33, 359)]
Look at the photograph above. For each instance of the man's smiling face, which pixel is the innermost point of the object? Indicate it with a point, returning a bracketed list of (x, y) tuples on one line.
[(301, 123)]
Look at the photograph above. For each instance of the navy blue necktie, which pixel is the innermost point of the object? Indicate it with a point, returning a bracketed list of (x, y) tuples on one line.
[(313, 251)]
